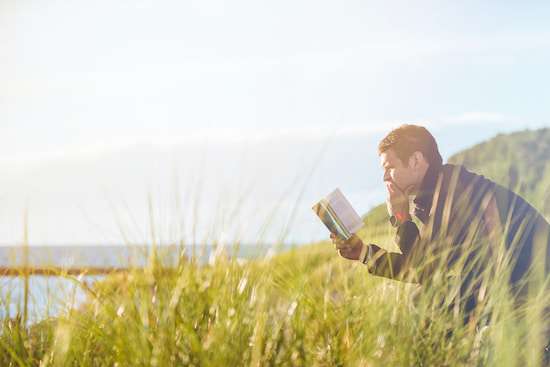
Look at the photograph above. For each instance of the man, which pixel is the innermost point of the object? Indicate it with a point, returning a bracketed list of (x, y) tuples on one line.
[(467, 222)]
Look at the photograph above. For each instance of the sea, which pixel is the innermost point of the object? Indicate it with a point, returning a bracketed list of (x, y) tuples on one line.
[(50, 296)]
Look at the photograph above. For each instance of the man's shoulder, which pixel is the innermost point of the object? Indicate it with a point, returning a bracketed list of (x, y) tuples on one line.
[(449, 169), (467, 178), (464, 178), (506, 198)]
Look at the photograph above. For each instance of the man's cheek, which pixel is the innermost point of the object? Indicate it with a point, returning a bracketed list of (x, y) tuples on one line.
[(396, 178)]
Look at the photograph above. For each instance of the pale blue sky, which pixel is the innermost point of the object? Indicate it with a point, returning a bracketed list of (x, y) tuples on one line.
[(85, 81)]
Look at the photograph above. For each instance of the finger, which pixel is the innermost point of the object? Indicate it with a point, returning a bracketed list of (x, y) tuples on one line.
[(343, 245), (395, 192), (392, 189), (343, 253)]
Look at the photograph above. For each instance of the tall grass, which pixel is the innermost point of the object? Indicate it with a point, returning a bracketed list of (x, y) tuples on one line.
[(300, 308), (303, 307)]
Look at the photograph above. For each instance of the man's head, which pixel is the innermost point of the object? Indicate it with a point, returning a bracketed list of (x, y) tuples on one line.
[(405, 155)]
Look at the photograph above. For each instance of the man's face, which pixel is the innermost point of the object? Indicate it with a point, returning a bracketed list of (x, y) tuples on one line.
[(397, 172)]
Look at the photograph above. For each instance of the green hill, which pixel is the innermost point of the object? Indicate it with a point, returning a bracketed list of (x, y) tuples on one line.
[(519, 161)]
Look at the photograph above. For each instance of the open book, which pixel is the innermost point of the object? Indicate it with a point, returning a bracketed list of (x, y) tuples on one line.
[(338, 215)]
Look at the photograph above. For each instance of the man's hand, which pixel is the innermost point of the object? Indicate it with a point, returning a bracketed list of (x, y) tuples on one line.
[(397, 201), (350, 249)]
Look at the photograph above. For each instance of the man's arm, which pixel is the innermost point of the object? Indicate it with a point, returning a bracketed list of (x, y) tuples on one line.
[(379, 261), (392, 264)]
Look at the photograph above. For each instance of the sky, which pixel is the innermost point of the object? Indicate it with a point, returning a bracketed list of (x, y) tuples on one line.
[(117, 106)]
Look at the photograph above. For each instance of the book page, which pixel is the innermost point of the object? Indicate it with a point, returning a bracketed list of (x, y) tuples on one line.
[(327, 216), (338, 215), (344, 211)]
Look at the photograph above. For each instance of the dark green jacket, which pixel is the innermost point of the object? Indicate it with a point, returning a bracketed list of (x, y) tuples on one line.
[(450, 207)]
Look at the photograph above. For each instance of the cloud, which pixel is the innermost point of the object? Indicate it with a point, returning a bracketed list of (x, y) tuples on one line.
[(477, 117), (166, 140)]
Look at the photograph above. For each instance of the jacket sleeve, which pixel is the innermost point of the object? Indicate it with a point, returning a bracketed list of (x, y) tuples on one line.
[(392, 264)]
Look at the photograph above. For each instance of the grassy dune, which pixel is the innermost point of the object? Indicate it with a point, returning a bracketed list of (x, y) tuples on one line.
[(305, 307)]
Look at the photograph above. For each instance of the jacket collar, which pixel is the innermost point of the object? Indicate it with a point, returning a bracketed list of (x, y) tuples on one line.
[(424, 197)]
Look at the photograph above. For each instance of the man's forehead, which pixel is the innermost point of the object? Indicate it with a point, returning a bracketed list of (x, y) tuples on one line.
[(387, 157)]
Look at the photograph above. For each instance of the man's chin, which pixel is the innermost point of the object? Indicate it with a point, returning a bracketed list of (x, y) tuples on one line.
[(404, 190), (411, 189)]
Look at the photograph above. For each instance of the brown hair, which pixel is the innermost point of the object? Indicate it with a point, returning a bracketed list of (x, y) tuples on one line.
[(407, 139)]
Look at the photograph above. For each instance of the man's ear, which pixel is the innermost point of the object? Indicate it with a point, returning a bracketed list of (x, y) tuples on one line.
[(416, 159)]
